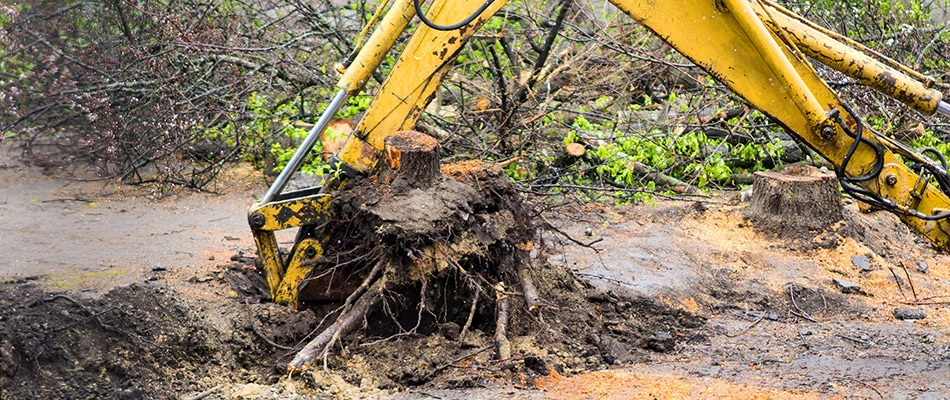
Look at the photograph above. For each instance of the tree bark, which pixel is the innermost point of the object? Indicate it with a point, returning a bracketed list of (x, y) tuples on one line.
[(795, 201), (411, 161)]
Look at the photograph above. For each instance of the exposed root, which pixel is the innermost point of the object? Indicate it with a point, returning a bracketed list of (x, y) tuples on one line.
[(471, 312), (347, 321), (501, 322), (436, 246), (529, 289)]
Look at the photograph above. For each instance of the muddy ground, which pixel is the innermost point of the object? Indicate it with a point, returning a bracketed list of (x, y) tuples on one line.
[(116, 292)]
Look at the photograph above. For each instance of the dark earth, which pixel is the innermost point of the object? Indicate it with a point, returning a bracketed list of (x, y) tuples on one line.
[(680, 299)]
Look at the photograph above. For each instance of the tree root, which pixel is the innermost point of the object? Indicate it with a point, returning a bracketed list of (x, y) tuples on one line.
[(529, 289), (345, 323), (501, 323), (471, 312)]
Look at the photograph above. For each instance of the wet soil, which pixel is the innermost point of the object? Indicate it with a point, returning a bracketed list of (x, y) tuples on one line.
[(680, 301)]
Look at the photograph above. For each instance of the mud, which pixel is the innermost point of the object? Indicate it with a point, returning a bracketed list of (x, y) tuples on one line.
[(135, 342), (680, 301)]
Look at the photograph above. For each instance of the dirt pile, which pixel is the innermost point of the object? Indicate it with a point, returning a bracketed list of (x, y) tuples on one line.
[(453, 272), (446, 257), (135, 342)]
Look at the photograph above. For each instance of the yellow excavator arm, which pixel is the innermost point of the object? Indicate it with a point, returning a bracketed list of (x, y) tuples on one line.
[(757, 48)]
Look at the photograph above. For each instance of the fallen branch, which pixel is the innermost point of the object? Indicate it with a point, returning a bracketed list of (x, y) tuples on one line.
[(345, 323), (753, 324), (501, 323), (675, 184)]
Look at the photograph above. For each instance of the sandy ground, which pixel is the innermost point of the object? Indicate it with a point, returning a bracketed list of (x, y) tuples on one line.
[(713, 263), (777, 325)]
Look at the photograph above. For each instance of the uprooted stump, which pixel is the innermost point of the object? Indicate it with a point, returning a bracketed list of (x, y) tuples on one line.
[(794, 202), (421, 240)]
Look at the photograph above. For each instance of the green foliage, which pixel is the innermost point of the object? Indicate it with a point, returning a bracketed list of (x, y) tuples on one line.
[(276, 131), (928, 139), (355, 105), (11, 65), (273, 131), (689, 156)]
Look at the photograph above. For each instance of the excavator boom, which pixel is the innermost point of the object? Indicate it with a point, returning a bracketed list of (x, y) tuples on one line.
[(757, 48)]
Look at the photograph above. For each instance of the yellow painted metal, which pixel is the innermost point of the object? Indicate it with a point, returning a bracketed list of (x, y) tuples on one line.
[(305, 253), (377, 47), (270, 258), (279, 216), (857, 65), (718, 36), (778, 61), (754, 47), (716, 42), (428, 56), (415, 77), (912, 193), (293, 212), (851, 43)]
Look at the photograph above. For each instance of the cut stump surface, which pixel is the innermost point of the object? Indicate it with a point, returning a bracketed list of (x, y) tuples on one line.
[(795, 202)]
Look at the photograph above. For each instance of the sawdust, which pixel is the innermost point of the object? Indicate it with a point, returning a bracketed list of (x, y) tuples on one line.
[(469, 168), (615, 384)]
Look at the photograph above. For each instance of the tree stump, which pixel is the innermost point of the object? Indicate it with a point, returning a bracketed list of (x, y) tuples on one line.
[(411, 160), (795, 202)]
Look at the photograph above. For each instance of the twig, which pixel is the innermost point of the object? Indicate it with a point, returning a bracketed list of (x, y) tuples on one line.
[(471, 312), (601, 277), (791, 294), (452, 363), (495, 68), (853, 339), (926, 303), (897, 280), (926, 47), (503, 164), (753, 324), (206, 393), (79, 199), (98, 316), (803, 316), (543, 52), (590, 245), (909, 281), (869, 387)]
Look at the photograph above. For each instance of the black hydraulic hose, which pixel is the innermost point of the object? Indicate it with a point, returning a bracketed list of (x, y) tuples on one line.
[(936, 153), (422, 16), (859, 138), (859, 193)]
